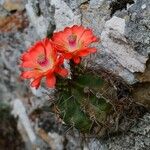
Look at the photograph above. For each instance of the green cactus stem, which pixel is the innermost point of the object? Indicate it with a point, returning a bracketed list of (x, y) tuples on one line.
[(91, 103)]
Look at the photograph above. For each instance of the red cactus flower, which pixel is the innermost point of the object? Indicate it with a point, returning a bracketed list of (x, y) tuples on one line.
[(42, 60), (74, 42)]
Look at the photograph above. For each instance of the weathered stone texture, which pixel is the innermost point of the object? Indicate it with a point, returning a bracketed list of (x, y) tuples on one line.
[(138, 26), (123, 50), (138, 138), (113, 43)]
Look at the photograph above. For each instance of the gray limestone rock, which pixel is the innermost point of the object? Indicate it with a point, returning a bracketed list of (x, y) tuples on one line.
[(123, 50), (117, 52), (138, 138), (138, 26)]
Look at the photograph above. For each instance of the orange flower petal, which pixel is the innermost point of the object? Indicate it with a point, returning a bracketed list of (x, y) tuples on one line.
[(36, 50), (67, 32), (60, 38), (42, 59), (29, 64), (88, 37), (38, 46), (74, 42), (50, 81), (36, 82), (29, 58), (25, 56), (62, 72), (30, 74), (76, 60), (67, 55), (78, 30), (86, 52), (48, 47)]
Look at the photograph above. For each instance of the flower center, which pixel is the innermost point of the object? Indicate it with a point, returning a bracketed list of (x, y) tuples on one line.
[(72, 40), (42, 61)]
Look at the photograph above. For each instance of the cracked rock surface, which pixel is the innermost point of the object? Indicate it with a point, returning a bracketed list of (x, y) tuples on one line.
[(124, 50)]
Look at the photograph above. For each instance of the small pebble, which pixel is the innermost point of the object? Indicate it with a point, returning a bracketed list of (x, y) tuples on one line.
[(143, 6)]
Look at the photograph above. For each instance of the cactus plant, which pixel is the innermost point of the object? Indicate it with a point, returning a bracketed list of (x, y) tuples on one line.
[(95, 104), (89, 101), (84, 101)]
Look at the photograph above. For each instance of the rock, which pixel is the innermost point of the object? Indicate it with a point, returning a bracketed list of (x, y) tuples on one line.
[(9, 50), (10, 138), (13, 5), (1, 2), (74, 4), (56, 14), (137, 31), (136, 139), (96, 20), (93, 144), (41, 17), (118, 52), (138, 26), (116, 5), (116, 45), (4, 12), (145, 76), (124, 33), (96, 3), (95, 14), (11, 46), (17, 21), (141, 94), (3, 91), (57, 141), (20, 112), (62, 17), (40, 23)]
